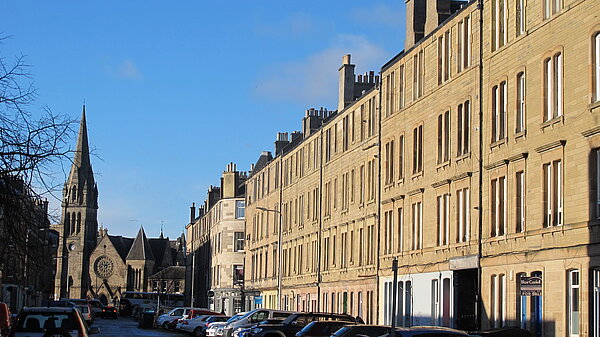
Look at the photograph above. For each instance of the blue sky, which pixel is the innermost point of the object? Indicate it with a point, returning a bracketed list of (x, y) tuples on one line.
[(175, 90)]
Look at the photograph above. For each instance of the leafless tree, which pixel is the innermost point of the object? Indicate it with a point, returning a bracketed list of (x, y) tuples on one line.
[(33, 147)]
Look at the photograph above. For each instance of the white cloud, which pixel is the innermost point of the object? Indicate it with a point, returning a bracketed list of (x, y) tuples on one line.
[(128, 70), (313, 81)]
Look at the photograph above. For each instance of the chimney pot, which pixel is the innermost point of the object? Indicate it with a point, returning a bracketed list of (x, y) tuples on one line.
[(346, 59)]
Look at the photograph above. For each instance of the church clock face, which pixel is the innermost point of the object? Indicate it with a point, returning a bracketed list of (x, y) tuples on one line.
[(104, 266)]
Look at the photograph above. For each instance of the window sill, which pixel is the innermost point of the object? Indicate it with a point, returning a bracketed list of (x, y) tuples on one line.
[(400, 181), (463, 156), (550, 123), (520, 135), (594, 105), (498, 143), (417, 175), (443, 165)]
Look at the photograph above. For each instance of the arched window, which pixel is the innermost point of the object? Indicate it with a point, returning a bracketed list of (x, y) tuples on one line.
[(596, 78), (73, 223), (73, 193), (67, 223), (78, 222)]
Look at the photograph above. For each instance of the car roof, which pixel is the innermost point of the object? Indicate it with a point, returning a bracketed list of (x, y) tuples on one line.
[(47, 309), (433, 328)]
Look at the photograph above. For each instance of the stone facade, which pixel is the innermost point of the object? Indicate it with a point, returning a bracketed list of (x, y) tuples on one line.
[(217, 237), (478, 166), (92, 263)]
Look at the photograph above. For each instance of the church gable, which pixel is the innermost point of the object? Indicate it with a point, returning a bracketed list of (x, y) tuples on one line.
[(106, 265), (140, 250)]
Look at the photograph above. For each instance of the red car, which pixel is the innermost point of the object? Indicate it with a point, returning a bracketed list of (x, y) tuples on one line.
[(4, 319), (109, 312)]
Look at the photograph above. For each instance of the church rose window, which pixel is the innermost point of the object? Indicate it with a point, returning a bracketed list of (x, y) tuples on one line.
[(104, 266)]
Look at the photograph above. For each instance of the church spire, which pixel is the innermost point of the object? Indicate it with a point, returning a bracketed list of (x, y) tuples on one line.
[(82, 151), (81, 170)]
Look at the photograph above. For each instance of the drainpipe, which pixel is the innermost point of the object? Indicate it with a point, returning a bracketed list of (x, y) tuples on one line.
[(479, 302)]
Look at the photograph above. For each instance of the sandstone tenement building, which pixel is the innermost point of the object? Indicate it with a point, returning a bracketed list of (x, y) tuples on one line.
[(216, 242), (473, 158)]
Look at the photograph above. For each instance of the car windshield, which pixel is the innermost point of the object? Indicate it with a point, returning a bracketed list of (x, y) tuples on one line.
[(236, 317), (341, 331), (40, 321), (176, 312)]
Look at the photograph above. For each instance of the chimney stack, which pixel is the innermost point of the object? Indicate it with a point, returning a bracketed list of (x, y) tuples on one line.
[(346, 85), (229, 181), (415, 22), (281, 142), (193, 213), (312, 121), (424, 16)]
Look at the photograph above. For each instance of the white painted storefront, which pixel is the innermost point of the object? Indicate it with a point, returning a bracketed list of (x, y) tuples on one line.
[(422, 299)]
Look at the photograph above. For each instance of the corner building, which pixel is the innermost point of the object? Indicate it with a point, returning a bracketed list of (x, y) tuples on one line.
[(474, 162), (215, 265)]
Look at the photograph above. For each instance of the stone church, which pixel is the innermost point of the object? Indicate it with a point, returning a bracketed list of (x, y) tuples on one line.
[(95, 264)]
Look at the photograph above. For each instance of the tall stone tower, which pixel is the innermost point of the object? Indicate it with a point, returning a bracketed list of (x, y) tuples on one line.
[(79, 222)]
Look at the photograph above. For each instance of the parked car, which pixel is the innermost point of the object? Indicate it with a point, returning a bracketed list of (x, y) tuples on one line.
[(427, 331), (321, 328), (198, 327), (186, 321), (502, 332), (253, 317), (94, 304), (295, 322), (62, 303), (5, 319), (211, 331), (191, 314), (365, 330), (245, 332), (169, 320), (50, 321), (109, 312), (86, 313)]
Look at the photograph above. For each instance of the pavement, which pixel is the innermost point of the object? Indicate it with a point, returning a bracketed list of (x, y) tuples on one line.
[(125, 326)]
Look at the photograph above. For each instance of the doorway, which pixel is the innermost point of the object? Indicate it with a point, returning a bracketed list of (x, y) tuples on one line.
[(465, 299)]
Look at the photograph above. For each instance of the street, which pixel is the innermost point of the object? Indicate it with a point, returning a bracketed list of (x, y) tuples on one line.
[(125, 326)]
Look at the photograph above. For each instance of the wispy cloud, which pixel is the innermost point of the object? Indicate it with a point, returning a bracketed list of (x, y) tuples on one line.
[(381, 14), (125, 69), (128, 70), (313, 81)]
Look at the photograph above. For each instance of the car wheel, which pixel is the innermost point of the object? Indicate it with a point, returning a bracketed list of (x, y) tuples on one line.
[(165, 326), (198, 332)]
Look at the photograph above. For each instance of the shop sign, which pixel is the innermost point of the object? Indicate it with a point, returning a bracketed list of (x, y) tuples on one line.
[(531, 286)]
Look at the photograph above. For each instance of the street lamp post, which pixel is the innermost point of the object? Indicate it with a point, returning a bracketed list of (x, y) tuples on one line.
[(279, 253)]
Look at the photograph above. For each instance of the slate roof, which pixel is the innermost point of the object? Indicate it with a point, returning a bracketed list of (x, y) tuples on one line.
[(262, 161), (140, 250), (172, 272), (121, 244)]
